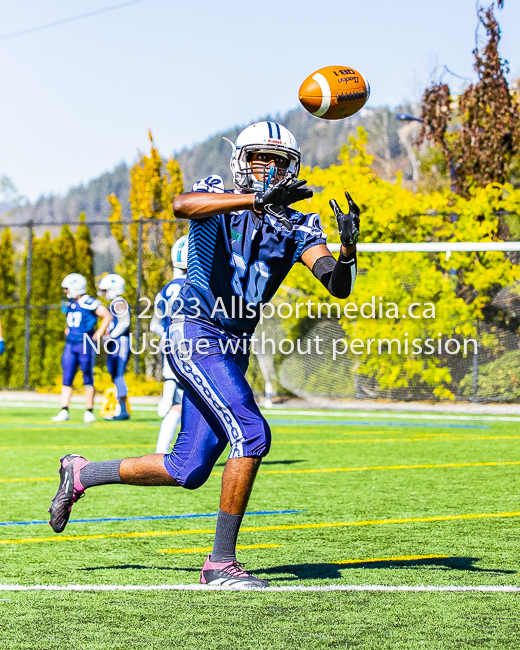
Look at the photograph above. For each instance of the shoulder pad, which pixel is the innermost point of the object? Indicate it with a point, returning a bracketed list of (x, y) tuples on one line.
[(212, 183), (87, 302)]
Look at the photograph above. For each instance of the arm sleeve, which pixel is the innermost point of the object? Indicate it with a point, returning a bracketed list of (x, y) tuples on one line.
[(337, 277), (123, 323)]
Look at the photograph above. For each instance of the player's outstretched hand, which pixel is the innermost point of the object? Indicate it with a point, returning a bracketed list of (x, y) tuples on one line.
[(282, 194), (348, 224)]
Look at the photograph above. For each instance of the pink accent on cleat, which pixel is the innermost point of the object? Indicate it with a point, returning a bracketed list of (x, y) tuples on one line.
[(69, 491), (229, 575), (79, 464)]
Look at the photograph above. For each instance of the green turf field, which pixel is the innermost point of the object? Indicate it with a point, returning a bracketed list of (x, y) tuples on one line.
[(410, 502)]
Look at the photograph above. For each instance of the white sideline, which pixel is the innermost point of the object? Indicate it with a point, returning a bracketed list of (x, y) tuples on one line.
[(277, 411), (395, 416), (295, 588)]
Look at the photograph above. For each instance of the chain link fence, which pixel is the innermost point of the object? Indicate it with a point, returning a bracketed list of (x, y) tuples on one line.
[(488, 373), (148, 269)]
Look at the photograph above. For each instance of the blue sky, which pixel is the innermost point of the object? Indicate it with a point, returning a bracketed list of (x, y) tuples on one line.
[(80, 97)]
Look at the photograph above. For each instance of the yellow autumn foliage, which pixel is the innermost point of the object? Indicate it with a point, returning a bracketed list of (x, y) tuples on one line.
[(154, 185), (458, 287)]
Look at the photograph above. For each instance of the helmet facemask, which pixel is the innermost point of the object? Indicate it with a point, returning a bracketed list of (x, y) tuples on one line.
[(259, 178), (269, 138)]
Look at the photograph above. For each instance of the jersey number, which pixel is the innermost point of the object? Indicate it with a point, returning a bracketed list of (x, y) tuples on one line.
[(259, 273), (74, 318)]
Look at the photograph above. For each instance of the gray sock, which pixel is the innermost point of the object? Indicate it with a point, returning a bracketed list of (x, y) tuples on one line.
[(226, 537), (103, 473)]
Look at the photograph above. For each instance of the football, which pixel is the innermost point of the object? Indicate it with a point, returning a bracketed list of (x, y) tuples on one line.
[(334, 92)]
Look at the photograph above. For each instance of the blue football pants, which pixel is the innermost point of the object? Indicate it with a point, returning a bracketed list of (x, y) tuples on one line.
[(73, 356), (116, 364), (218, 406)]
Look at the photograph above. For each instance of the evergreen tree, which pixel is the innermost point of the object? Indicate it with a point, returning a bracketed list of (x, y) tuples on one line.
[(40, 283), (12, 319), (64, 260), (154, 185), (85, 255)]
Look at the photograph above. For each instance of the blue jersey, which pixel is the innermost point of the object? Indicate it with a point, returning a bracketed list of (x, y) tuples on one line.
[(81, 318), (165, 299), (118, 306), (236, 262)]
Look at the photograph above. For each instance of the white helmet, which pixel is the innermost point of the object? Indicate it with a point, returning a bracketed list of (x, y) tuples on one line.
[(269, 137), (75, 284), (180, 253), (113, 284)]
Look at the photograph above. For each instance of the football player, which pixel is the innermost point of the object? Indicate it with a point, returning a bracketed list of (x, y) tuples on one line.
[(170, 404), (2, 344), (82, 313), (242, 244), (112, 287)]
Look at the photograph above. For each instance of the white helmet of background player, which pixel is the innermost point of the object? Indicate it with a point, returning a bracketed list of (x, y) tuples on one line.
[(113, 284), (75, 285), (180, 253), (268, 137)]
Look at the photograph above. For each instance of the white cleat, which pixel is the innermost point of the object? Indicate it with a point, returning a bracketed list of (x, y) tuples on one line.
[(62, 416), (88, 417)]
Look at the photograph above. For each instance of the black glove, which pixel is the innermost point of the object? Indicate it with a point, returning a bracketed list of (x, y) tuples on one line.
[(348, 224), (282, 194), (274, 200)]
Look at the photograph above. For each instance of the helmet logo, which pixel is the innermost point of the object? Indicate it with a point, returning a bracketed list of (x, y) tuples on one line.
[(275, 141)]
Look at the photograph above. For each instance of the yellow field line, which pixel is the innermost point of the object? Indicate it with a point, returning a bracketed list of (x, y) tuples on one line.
[(23, 480), (56, 447), (429, 438), (251, 529), (208, 549), (394, 558), (437, 438), (325, 470), (385, 467)]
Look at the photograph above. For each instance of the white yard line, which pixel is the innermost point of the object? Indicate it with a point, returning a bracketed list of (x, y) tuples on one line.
[(295, 588)]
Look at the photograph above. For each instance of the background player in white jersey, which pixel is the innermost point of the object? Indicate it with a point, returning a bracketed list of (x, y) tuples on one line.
[(112, 287), (242, 244), (81, 313), (170, 405), (2, 344)]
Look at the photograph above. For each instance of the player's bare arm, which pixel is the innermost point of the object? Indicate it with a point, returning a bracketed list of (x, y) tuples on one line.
[(200, 205), (265, 167)]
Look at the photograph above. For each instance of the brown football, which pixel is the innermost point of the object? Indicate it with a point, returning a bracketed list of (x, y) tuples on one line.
[(334, 92)]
